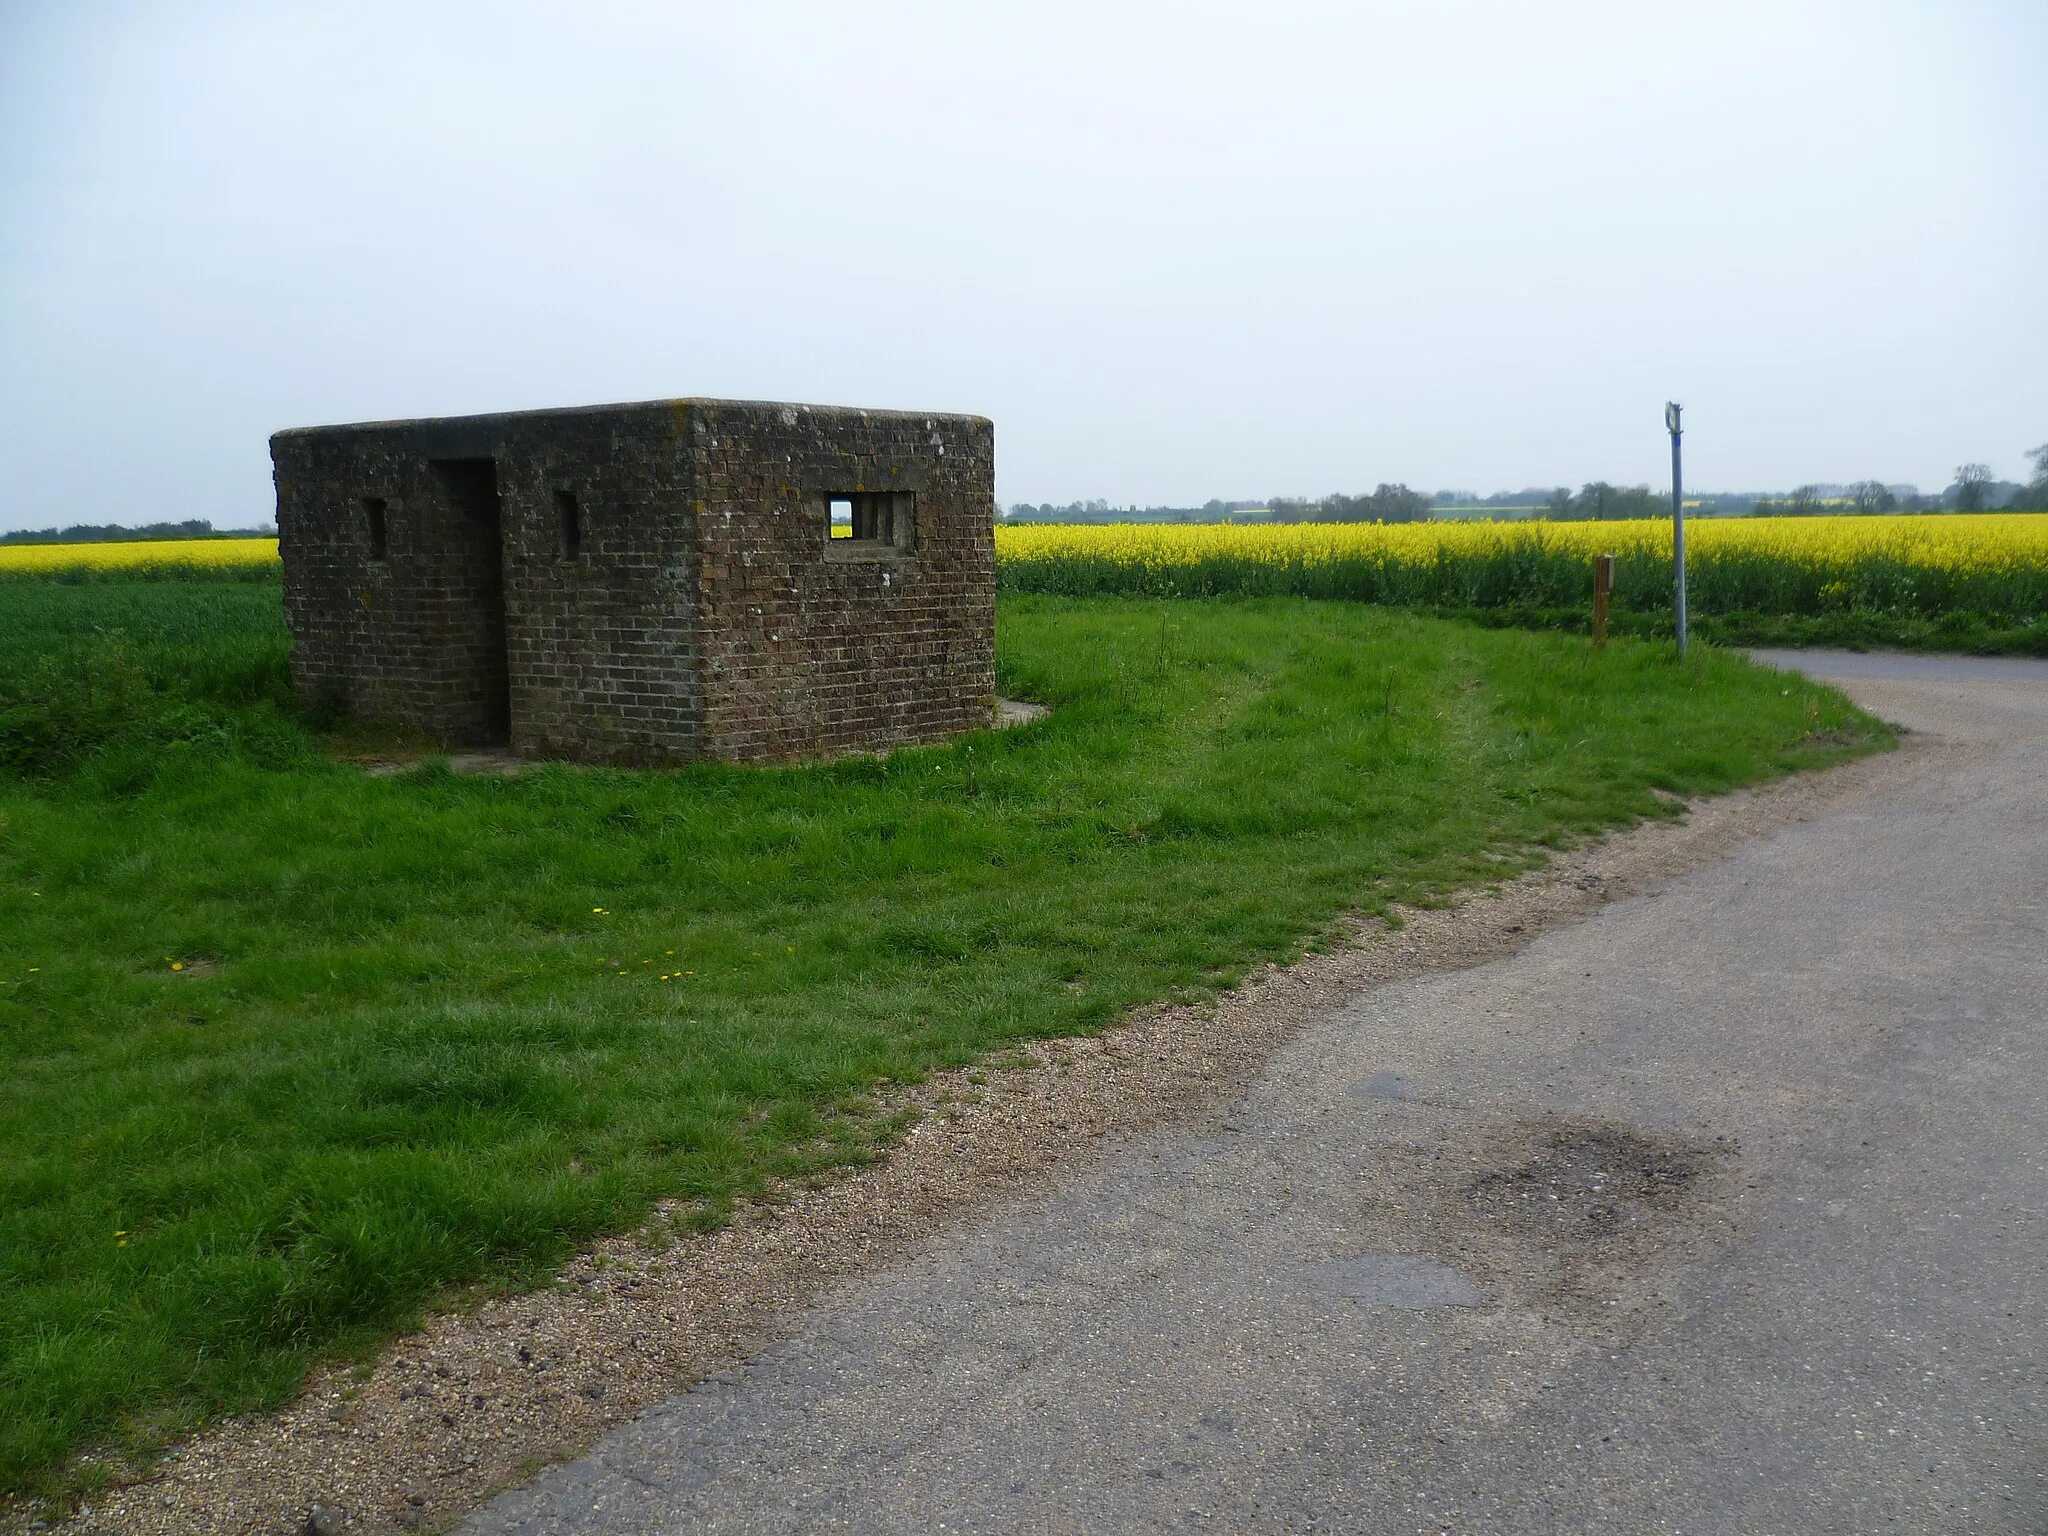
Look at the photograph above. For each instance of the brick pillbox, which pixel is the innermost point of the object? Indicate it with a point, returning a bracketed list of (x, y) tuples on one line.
[(647, 584)]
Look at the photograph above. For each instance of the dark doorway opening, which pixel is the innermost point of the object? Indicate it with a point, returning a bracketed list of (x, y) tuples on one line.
[(479, 674)]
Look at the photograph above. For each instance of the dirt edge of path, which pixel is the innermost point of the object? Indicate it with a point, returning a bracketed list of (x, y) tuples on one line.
[(478, 1400)]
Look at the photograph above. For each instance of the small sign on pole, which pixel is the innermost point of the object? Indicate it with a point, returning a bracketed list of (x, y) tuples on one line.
[(1603, 583), (1672, 412)]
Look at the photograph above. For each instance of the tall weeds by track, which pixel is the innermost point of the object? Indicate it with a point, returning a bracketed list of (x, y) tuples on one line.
[(115, 674)]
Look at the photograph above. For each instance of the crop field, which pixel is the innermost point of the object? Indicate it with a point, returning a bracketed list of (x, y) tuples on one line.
[(147, 557), (289, 1052), (1959, 582), (1964, 582)]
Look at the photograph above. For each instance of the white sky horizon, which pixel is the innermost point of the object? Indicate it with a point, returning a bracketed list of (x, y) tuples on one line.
[(1175, 253)]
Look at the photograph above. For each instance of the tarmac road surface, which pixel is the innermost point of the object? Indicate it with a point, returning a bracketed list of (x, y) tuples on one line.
[(1719, 1211)]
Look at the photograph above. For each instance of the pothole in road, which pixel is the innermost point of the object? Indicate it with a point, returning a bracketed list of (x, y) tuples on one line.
[(1587, 1182)]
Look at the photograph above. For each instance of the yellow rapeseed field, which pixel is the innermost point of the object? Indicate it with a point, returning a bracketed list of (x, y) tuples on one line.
[(1981, 569), (139, 555), (1906, 579), (1984, 541)]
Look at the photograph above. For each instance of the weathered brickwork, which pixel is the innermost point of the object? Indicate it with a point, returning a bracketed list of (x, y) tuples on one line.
[(647, 583)]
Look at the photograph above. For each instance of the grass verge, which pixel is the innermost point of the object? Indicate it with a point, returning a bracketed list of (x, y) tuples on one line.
[(1856, 630), (289, 1051)]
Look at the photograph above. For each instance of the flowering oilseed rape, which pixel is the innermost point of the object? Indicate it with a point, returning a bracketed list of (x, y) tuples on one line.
[(139, 555), (1978, 540), (1993, 566), (1988, 567)]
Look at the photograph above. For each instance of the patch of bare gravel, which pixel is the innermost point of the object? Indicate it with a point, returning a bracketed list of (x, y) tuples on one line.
[(476, 1401)]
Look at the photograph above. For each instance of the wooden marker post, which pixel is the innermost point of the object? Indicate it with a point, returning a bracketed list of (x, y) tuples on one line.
[(1603, 583)]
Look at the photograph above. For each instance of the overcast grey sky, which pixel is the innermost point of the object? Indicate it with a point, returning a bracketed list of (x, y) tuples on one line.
[(1175, 251)]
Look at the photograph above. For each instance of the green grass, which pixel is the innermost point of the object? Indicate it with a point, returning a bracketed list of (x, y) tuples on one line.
[(401, 1055), (1854, 629)]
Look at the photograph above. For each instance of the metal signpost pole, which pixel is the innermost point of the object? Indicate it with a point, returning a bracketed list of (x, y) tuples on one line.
[(1672, 411)]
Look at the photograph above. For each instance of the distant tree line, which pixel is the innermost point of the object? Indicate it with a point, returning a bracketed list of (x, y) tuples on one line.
[(1385, 504), (1863, 497), (1528, 496), (114, 533), (2033, 496), (1597, 501), (1102, 512), (1975, 489)]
